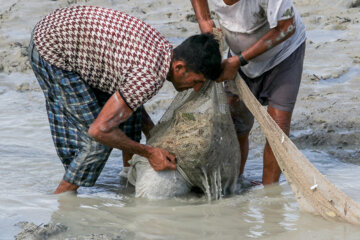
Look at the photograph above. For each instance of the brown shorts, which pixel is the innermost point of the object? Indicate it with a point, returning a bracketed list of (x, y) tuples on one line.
[(277, 87)]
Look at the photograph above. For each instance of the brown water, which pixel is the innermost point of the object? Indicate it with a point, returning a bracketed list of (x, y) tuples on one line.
[(30, 172)]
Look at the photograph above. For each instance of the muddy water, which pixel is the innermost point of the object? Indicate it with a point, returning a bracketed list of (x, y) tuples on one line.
[(30, 171), (328, 134)]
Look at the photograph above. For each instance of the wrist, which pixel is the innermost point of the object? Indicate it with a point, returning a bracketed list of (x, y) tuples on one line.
[(242, 60), (206, 25), (234, 62), (147, 151)]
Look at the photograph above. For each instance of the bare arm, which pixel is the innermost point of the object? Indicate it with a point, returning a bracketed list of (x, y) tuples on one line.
[(273, 37), (202, 13), (147, 123), (106, 131)]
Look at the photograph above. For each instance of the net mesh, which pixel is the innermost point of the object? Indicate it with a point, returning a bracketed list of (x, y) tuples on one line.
[(197, 128)]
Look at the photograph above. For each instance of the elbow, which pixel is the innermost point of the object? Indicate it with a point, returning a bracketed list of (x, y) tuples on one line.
[(292, 29), (93, 131), (285, 32), (289, 28), (97, 131)]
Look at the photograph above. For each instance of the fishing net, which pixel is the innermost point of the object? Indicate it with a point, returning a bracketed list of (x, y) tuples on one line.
[(196, 128)]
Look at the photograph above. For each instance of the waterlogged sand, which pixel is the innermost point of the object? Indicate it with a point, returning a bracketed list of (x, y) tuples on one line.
[(326, 127)]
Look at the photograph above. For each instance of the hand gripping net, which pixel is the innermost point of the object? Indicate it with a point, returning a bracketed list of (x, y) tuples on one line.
[(197, 128)]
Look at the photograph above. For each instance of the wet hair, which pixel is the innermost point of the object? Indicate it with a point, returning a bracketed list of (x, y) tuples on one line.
[(201, 54)]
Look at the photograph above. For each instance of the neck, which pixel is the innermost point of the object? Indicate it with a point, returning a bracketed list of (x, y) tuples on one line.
[(230, 2)]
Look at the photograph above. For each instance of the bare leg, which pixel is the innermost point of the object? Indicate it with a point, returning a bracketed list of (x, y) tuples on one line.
[(64, 186), (244, 150), (241, 118), (271, 170)]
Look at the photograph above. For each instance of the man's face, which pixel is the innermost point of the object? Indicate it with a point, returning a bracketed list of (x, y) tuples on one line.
[(182, 79)]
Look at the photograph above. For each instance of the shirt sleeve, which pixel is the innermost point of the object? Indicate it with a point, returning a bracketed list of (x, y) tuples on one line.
[(278, 10), (138, 87)]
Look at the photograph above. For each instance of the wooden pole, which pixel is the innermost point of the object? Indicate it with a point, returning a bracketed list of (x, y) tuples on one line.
[(313, 191)]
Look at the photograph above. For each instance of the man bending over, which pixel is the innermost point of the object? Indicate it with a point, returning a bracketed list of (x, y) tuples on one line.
[(97, 67)]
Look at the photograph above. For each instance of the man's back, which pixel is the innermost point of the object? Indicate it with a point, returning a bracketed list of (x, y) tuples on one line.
[(107, 48)]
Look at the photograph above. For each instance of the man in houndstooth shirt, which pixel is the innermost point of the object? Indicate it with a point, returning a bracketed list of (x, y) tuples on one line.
[(97, 67)]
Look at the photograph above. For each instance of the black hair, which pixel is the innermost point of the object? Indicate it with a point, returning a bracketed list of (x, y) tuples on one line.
[(201, 54)]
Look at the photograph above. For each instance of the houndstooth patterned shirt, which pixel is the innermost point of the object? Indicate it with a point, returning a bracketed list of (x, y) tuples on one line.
[(109, 49)]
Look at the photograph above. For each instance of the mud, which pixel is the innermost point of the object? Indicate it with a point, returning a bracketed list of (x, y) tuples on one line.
[(31, 231)]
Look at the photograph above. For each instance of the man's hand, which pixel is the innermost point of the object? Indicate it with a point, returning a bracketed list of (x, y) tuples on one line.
[(161, 159), (206, 26), (229, 67), (203, 17)]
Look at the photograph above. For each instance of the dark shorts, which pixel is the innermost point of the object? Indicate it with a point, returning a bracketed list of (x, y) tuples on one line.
[(72, 106), (277, 87)]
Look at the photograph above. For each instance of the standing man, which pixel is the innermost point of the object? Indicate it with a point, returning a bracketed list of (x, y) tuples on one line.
[(267, 45), (97, 67)]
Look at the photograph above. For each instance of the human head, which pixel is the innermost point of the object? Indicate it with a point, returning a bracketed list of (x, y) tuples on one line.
[(194, 61)]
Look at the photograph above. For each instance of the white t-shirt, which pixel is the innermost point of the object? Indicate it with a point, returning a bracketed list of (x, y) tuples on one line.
[(246, 21)]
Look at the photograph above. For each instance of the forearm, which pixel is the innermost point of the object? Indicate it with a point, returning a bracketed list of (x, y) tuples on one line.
[(202, 12), (115, 138), (158, 158), (273, 37), (201, 9), (105, 129)]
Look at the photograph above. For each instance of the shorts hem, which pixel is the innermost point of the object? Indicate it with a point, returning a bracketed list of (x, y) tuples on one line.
[(78, 183), (281, 108)]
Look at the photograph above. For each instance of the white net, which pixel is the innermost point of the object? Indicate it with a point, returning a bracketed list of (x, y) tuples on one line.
[(196, 128)]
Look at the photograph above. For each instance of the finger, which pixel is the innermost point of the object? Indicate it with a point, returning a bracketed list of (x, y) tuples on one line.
[(219, 80), (171, 166), (171, 158)]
